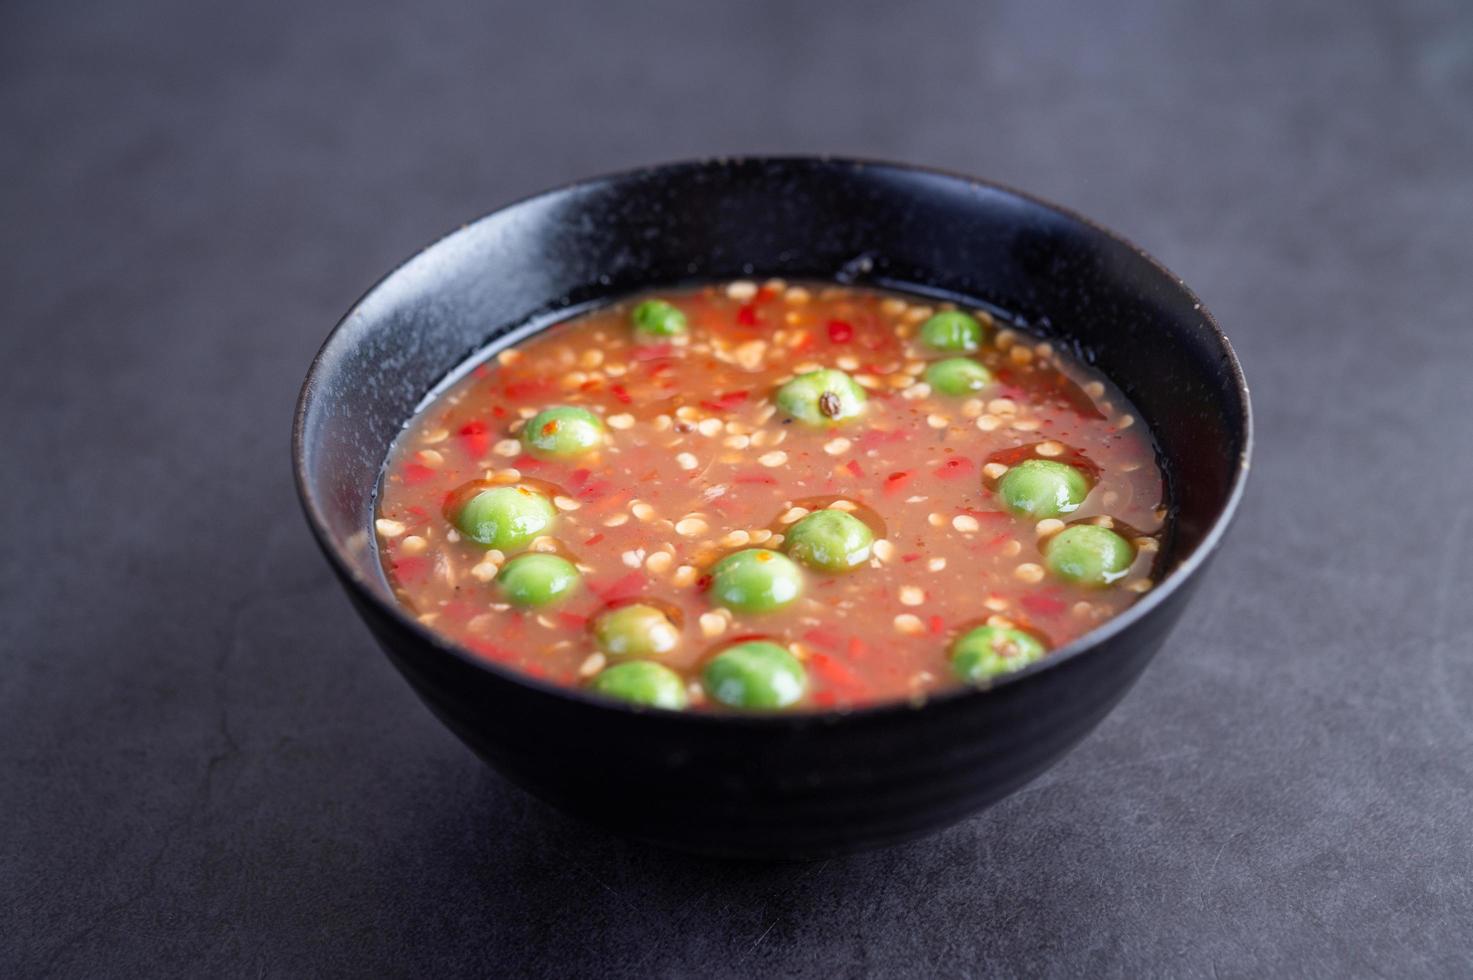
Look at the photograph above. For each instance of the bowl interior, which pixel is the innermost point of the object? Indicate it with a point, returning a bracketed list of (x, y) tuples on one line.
[(877, 224)]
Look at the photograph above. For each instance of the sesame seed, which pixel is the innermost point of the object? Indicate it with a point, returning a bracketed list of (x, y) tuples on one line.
[(965, 523), (915, 314), (712, 624), (1029, 572), (689, 527), (431, 458)]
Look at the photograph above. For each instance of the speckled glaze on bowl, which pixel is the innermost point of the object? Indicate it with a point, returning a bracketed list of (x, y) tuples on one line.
[(793, 785)]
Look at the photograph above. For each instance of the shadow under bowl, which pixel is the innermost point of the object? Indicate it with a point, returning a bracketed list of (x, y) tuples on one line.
[(792, 785)]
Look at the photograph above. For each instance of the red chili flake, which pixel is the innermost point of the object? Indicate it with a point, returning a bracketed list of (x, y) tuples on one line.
[(579, 476), (853, 467), (595, 490), (491, 651), (825, 699), (754, 478), (767, 293), (480, 370), (821, 637), (411, 571), (594, 539), (630, 585), (593, 385), (1042, 605), (836, 672), (475, 438), (857, 648), (652, 352), (840, 332), (954, 467), (528, 462), (572, 621), (415, 473), (747, 315), (805, 343), (621, 393), (874, 438), (528, 389), (912, 556), (895, 482), (703, 583), (937, 625)]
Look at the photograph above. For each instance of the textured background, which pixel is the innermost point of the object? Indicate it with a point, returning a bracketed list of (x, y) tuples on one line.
[(205, 767)]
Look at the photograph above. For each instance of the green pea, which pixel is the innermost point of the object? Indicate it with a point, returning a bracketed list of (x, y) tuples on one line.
[(823, 397), (537, 579), (636, 630), (952, 330), (830, 540), (991, 651), (755, 580), (505, 517), (557, 433), (657, 318), (958, 376), (757, 674), (1040, 488), (642, 682), (1087, 554)]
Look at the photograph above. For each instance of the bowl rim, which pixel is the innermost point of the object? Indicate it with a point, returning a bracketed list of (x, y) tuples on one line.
[(802, 718)]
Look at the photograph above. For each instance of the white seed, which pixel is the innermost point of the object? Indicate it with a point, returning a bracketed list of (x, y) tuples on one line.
[(623, 421), (1138, 585), (452, 535), (712, 624), (916, 392), (936, 422), (965, 523), (741, 290), (642, 510), (684, 575), (709, 427), (1103, 520), (662, 423), (761, 535), (915, 314), (750, 354), (736, 442), (734, 539), (1049, 448), (413, 545), (592, 665), (509, 475), (591, 358), (910, 623), (1002, 406), (936, 564), (911, 595), (935, 520), (1094, 389), (431, 458), (773, 459), (565, 503), (1020, 354), (388, 528), (543, 543), (848, 506), (436, 435), (687, 461), (1126, 421), (797, 295), (1048, 526), (988, 423), (883, 550), (1029, 572), (507, 447), (1026, 425), (633, 558), (1147, 545), (995, 603), (972, 408), (994, 471), (574, 379), (690, 527), (837, 447), (659, 562), (848, 362), (616, 520), (1012, 548), (1005, 339)]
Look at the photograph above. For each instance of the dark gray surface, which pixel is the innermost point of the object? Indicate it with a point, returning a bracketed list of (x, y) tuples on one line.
[(208, 770)]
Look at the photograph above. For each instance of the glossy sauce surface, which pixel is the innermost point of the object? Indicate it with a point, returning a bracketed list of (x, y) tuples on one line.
[(697, 462)]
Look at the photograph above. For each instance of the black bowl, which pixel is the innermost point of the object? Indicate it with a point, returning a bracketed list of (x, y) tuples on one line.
[(793, 785)]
